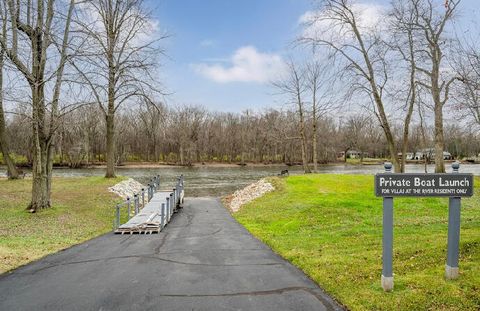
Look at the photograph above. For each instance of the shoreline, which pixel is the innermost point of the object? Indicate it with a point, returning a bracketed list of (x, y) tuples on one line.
[(230, 165)]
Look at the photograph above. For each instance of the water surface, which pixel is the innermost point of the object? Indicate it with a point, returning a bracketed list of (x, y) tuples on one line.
[(219, 181)]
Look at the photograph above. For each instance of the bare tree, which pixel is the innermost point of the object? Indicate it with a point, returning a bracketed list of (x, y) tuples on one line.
[(294, 86), (430, 21), (354, 135), (152, 117), (11, 169), (119, 59), (32, 33), (318, 83), (361, 48), (404, 43), (467, 67)]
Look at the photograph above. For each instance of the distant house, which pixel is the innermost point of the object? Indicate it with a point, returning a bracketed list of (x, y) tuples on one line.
[(428, 153), (447, 155), (353, 154)]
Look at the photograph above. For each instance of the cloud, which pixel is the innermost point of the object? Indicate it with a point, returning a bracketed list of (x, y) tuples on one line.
[(245, 65), (322, 24)]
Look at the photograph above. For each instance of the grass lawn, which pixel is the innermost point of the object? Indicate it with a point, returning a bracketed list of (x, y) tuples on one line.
[(330, 226), (82, 209)]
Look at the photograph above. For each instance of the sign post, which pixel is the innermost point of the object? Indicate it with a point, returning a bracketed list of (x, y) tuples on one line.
[(454, 186), (387, 240), (451, 269)]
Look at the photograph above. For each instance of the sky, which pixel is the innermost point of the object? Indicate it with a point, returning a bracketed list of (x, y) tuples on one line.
[(221, 54)]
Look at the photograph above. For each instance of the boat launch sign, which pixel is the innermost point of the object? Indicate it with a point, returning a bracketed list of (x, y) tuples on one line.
[(424, 185), (455, 185)]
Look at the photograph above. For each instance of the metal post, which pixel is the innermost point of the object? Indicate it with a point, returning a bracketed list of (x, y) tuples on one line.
[(162, 216), (143, 198), (117, 216), (174, 199), (179, 185), (182, 192), (178, 192), (128, 204), (158, 182), (168, 209), (136, 203), (148, 192), (451, 269), (387, 240), (172, 206)]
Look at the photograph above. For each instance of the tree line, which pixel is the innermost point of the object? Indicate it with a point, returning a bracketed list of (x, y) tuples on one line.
[(188, 135)]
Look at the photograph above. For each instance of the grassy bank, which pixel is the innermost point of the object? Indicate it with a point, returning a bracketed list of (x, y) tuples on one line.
[(82, 209), (330, 226)]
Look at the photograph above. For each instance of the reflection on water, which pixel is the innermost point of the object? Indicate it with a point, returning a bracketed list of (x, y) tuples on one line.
[(219, 181)]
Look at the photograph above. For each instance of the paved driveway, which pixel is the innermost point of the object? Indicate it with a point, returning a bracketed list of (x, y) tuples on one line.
[(203, 260)]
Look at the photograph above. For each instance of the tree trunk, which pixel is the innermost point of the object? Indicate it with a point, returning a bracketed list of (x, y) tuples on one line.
[(386, 129), (406, 132), (403, 159), (379, 102), (304, 143), (50, 153), (314, 141), (40, 183), (182, 161), (439, 140), (11, 169), (438, 110), (110, 120)]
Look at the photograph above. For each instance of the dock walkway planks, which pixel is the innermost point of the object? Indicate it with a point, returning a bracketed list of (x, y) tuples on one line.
[(149, 219)]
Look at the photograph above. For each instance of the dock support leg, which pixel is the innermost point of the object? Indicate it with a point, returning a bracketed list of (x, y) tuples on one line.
[(128, 207), (167, 216), (162, 216), (117, 217)]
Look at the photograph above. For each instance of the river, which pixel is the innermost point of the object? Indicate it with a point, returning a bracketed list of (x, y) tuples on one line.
[(219, 181)]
